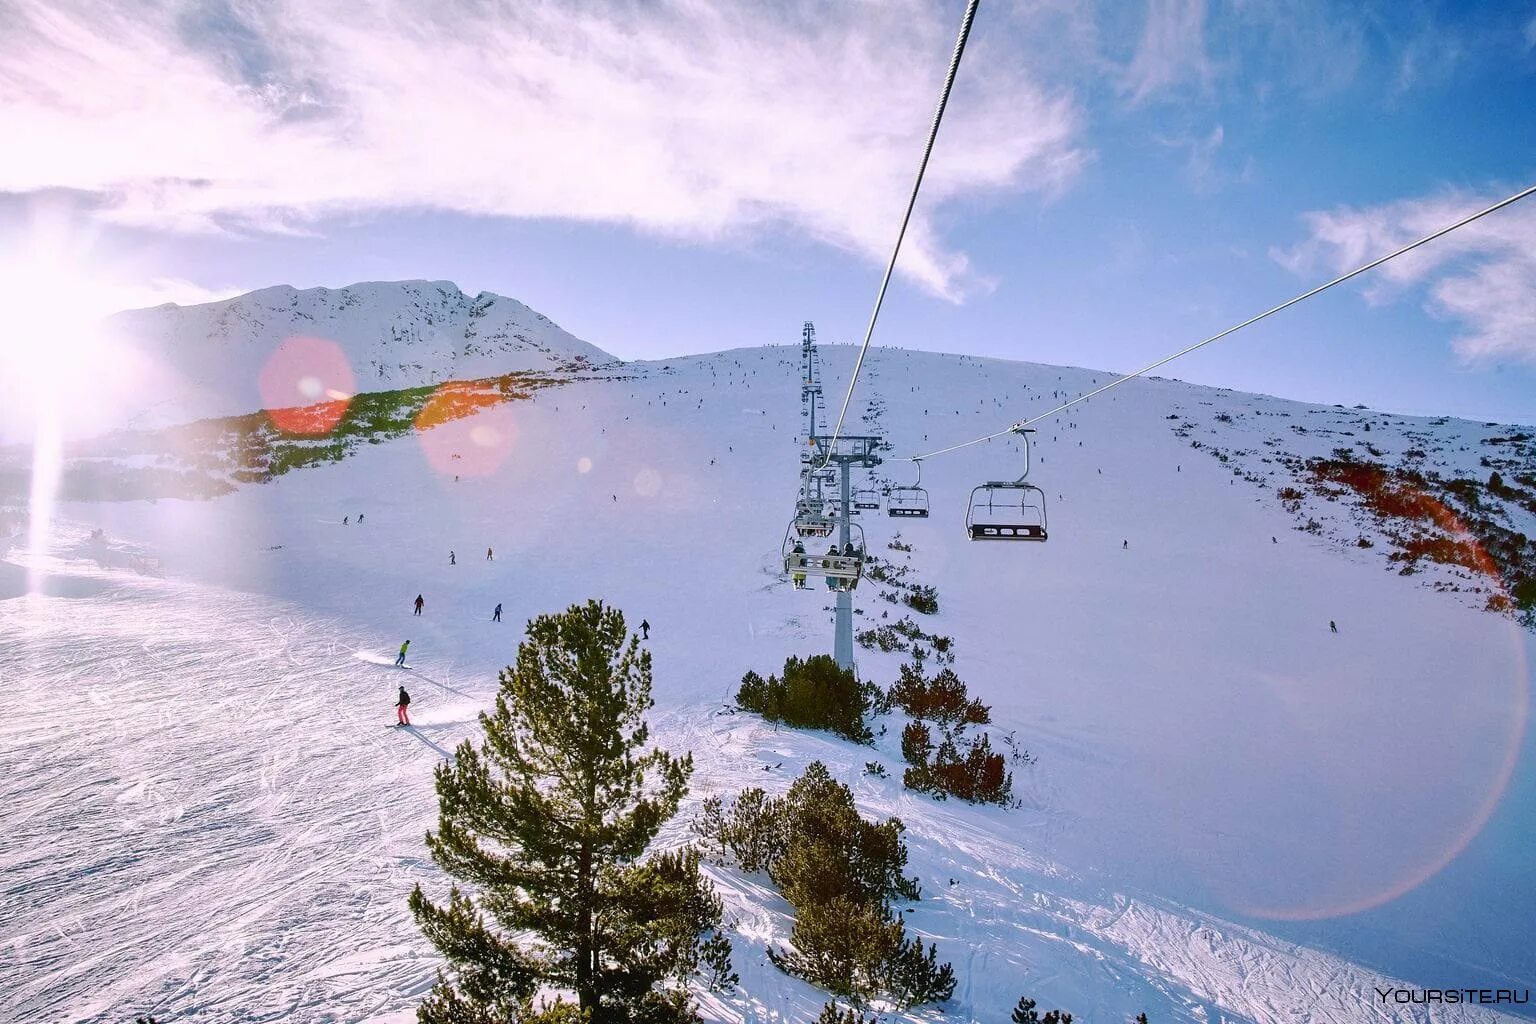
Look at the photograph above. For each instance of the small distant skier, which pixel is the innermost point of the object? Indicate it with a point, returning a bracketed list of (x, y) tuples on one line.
[(489, 556), (359, 519), (645, 630), (1272, 540), (400, 706), (344, 520), (496, 615), (1125, 545), (452, 558), (419, 603), (1334, 626), (400, 658)]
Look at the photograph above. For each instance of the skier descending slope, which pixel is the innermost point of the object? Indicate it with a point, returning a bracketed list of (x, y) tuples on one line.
[(400, 658), (400, 706), (419, 603)]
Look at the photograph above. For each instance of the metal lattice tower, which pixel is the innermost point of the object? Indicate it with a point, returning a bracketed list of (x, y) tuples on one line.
[(814, 415), (812, 409), (821, 464)]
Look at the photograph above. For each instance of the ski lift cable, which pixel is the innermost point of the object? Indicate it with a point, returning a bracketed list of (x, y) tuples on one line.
[(933, 134), (1015, 428)]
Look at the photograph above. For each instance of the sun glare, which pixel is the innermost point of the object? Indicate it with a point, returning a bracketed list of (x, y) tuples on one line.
[(57, 369)]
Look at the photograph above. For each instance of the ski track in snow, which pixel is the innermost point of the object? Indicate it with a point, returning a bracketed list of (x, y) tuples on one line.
[(207, 818)]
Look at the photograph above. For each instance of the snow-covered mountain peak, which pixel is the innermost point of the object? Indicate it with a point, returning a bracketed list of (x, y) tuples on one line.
[(208, 359)]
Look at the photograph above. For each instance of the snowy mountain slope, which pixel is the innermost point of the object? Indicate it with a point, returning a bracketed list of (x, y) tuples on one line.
[(239, 354), (1227, 821)]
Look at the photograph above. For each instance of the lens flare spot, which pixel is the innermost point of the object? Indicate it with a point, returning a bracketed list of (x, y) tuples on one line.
[(647, 483), (306, 385), (583, 465), (464, 436), (1378, 817)]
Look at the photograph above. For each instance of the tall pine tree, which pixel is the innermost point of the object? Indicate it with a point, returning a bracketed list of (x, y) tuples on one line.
[(545, 823)]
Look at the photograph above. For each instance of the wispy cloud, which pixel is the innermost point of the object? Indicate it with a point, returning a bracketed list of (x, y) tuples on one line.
[(1483, 276), (685, 118), (1172, 49)]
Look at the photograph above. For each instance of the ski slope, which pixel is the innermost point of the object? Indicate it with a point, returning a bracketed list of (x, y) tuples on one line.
[(1237, 815)]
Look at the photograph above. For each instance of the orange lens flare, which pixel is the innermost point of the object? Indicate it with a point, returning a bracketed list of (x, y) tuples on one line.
[(306, 386)]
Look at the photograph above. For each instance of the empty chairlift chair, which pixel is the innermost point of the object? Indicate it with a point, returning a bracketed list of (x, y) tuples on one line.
[(866, 498), (1008, 509), (908, 501)]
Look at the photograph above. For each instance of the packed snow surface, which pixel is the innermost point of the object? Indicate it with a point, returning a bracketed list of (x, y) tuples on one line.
[(1237, 814)]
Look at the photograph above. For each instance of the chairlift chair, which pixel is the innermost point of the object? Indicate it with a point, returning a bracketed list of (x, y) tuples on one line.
[(1008, 509), (814, 563), (866, 498), (810, 520), (910, 501)]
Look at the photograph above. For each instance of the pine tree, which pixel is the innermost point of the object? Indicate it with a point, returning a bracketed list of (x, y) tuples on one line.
[(546, 822), (830, 1015), (1024, 1013)]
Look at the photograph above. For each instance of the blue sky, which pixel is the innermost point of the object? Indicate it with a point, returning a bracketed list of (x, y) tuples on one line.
[(1115, 180)]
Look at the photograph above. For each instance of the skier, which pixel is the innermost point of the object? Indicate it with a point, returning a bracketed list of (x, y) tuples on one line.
[(400, 706), (400, 658), (496, 615), (359, 519), (1333, 625), (419, 603), (452, 558), (489, 557), (1125, 545), (344, 520), (1272, 540), (799, 549), (645, 630)]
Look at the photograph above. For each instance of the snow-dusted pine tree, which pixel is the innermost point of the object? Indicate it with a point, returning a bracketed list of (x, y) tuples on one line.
[(545, 824)]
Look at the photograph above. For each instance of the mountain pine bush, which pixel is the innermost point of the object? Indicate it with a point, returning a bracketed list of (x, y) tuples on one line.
[(841, 874), (812, 694)]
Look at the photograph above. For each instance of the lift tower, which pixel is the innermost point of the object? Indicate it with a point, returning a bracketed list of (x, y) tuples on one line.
[(849, 451)]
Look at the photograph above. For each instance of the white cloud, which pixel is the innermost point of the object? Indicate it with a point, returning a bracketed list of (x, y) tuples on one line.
[(686, 118), (160, 290), (1483, 275), (1171, 50)]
